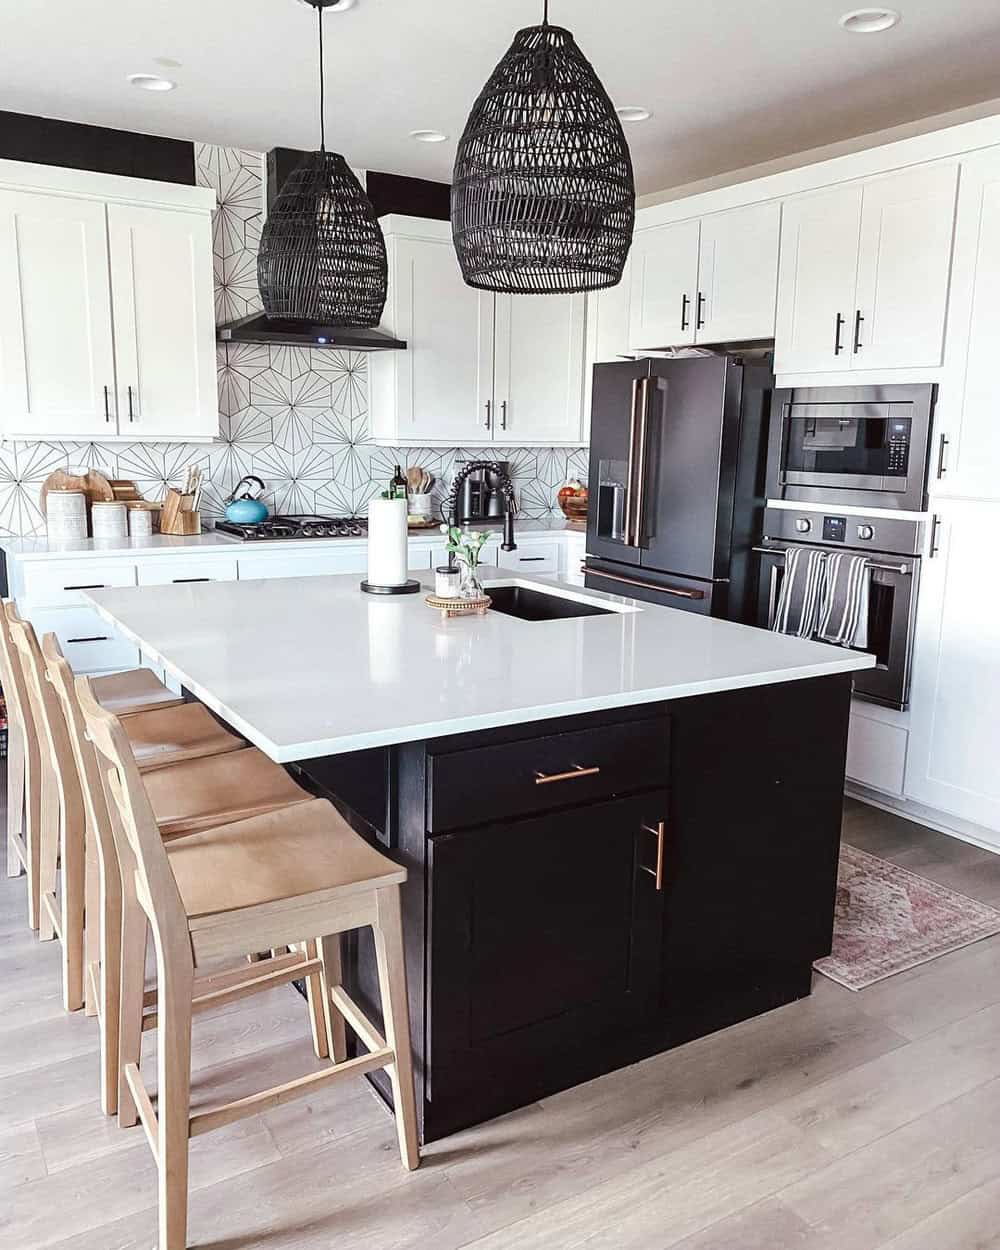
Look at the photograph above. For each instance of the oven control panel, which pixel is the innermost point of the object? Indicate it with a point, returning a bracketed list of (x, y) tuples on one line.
[(834, 529)]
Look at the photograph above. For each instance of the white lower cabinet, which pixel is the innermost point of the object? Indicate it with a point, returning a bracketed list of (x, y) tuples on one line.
[(531, 558), (876, 750), (179, 569), (88, 642), (952, 763)]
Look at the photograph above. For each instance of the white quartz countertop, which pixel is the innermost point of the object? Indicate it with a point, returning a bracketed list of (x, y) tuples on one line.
[(310, 666), (27, 549)]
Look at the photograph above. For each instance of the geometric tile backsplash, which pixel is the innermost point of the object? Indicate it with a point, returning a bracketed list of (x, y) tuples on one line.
[(296, 418)]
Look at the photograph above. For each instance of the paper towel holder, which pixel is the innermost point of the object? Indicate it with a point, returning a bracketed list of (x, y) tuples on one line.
[(409, 587)]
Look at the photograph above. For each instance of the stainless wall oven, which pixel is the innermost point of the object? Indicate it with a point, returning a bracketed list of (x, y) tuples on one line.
[(851, 445), (891, 546)]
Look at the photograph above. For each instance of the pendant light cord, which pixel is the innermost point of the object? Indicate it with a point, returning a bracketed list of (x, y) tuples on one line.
[(545, 12), (322, 87)]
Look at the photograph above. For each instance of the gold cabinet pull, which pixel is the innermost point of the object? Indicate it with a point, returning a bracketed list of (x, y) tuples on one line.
[(659, 833), (544, 779)]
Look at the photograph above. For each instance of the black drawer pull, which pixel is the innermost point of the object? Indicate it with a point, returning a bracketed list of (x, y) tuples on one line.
[(532, 559), (87, 586), (544, 779), (179, 580), (95, 638)]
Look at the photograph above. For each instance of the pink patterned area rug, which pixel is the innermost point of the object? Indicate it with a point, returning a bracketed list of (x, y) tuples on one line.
[(888, 920)]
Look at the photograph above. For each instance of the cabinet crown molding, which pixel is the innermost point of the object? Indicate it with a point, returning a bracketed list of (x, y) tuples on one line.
[(87, 184)]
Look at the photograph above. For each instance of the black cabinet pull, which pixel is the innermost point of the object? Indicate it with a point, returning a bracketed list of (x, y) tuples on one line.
[(699, 316), (685, 305), (935, 546), (858, 322), (942, 448), (531, 559), (837, 345), (94, 638), (131, 414), (86, 586), (179, 580), (107, 406)]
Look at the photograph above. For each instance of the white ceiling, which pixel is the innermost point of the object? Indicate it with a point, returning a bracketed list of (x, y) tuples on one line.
[(730, 83)]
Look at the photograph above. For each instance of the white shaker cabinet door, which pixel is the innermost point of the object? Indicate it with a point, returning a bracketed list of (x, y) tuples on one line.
[(664, 265), (955, 693), (738, 274), (817, 272), (967, 448), (162, 288), (57, 368), (440, 390), (907, 224), (538, 371)]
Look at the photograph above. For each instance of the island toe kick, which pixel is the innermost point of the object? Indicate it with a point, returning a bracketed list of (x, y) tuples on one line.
[(585, 892)]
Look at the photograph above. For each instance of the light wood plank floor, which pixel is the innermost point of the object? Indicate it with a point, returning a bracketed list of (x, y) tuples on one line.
[(844, 1122)]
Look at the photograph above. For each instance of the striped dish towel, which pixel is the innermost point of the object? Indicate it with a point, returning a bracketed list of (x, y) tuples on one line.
[(843, 616), (801, 595)]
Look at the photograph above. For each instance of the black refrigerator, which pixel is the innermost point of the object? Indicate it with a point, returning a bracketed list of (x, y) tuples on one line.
[(678, 451)]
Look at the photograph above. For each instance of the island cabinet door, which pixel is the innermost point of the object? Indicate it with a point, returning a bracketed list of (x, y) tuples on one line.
[(544, 944)]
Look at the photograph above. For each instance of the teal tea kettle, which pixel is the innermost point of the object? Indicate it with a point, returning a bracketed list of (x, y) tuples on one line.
[(247, 508)]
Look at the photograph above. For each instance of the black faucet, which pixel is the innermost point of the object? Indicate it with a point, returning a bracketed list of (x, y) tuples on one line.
[(452, 513)]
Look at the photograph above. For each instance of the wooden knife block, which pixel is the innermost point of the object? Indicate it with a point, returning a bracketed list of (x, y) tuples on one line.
[(177, 515)]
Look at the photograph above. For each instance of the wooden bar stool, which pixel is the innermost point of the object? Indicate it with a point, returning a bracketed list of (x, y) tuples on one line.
[(189, 795), (270, 881), (23, 771), (131, 691), (234, 785)]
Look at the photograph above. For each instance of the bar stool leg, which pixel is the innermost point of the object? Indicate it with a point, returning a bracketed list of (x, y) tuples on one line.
[(72, 881), (110, 984), (92, 930), (15, 797), (48, 858), (174, 993), (388, 931), (134, 931), (317, 1014), (331, 976), (32, 824)]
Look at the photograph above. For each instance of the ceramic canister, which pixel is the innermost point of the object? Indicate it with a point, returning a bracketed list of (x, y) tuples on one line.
[(108, 520), (66, 514), (140, 522)]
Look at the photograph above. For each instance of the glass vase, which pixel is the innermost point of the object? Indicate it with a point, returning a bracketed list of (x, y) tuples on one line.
[(470, 586)]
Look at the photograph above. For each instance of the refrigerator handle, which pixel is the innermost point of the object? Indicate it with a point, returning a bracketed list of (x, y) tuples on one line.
[(650, 386), (630, 541)]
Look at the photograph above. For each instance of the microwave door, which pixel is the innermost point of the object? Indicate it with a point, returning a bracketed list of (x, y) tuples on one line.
[(615, 424)]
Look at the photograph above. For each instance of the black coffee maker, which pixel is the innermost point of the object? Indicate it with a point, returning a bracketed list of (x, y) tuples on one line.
[(480, 498)]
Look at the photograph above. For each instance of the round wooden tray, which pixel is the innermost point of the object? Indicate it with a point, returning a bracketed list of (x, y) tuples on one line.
[(459, 607)]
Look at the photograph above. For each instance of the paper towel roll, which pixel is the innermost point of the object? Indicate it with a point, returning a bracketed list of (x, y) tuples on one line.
[(387, 553)]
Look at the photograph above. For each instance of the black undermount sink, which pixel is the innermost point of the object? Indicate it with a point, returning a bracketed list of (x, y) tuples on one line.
[(536, 605)]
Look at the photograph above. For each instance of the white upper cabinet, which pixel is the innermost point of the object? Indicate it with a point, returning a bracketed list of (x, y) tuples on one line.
[(664, 265), (904, 260), (164, 320), (708, 280), (954, 711), (57, 366), (440, 390), (107, 325), (737, 274), (538, 369), (967, 448), (817, 277), (863, 274), (479, 369)]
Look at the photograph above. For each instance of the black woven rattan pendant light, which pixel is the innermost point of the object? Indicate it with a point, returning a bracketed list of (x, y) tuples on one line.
[(543, 196), (322, 255)]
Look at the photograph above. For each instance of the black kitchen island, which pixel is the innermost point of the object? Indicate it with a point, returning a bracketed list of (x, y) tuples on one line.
[(621, 828)]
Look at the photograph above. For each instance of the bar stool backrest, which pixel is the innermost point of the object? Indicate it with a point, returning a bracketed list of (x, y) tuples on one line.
[(132, 818), (50, 725), (12, 679)]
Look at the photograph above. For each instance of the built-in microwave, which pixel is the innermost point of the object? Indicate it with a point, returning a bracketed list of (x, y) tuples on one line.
[(851, 445)]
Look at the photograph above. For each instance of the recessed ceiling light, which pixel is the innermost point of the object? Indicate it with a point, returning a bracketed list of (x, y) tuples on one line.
[(151, 82), (167, 62), (428, 136), (633, 113), (870, 21)]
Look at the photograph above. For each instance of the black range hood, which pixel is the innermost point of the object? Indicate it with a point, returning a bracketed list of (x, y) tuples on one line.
[(260, 329)]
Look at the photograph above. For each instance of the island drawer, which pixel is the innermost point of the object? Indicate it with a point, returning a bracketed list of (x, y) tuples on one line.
[(88, 642), (538, 774)]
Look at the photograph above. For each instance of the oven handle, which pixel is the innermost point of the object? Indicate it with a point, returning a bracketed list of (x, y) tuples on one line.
[(903, 569)]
